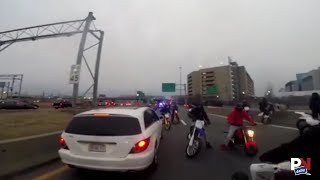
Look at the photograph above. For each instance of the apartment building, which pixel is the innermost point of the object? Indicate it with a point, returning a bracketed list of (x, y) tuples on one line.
[(227, 83)]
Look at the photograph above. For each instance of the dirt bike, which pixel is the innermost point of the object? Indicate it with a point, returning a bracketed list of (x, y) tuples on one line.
[(266, 117), (194, 136), (243, 137), (306, 122)]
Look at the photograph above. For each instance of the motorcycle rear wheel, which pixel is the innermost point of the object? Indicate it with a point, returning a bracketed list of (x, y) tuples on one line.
[(192, 151)]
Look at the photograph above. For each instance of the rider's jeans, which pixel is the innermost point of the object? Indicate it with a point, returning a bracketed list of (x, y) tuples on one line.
[(232, 130)]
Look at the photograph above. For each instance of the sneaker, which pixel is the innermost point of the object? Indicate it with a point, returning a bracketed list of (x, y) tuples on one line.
[(208, 145)]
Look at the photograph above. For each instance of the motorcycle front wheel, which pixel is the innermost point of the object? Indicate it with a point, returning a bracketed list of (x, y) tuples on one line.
[(194, 149), (167, 125), (251, 151)]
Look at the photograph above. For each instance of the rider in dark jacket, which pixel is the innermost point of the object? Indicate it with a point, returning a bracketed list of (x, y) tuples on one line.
[(304, 146), (174, 107), (165, 109), (314, 105), (197, 112), (263, 105)]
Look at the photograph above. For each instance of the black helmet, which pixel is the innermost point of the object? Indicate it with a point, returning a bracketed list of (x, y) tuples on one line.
[(239, 106)]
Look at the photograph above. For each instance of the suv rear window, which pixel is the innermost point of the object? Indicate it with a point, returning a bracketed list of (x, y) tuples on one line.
[(104, 126)]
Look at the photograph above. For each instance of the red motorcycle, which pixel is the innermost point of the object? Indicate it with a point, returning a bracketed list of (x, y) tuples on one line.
[(243, 137)]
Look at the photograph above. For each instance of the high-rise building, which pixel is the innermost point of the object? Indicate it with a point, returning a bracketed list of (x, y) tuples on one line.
[(305, 81), (227, 83)]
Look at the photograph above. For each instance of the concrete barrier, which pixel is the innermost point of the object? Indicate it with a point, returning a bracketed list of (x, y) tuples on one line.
[(23, 153)]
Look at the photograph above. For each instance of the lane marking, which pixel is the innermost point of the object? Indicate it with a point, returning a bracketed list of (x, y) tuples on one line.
[(183, 122), (284, 127), (51, 174), (272, 125)]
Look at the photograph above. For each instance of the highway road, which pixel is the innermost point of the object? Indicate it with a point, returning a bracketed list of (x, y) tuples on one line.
[(173, 164)]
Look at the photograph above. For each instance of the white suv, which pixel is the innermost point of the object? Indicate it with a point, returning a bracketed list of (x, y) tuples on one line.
[(116, 139)]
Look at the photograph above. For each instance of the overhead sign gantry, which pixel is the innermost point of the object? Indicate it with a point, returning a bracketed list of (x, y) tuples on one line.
[(63, 29)]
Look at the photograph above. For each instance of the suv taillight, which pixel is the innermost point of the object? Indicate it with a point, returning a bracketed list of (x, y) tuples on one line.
[(140, 146), (63, 143)]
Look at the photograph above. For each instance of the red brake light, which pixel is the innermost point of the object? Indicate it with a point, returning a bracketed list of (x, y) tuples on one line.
[(63, 143), (140, 146)]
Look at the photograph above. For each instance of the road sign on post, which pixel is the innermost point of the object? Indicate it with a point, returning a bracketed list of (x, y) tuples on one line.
[(213, 90), (74, 74), (140, 94), (168, 87)]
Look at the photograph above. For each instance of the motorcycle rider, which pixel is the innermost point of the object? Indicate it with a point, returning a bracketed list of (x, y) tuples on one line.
[(266, 107), (263, 104), (235, 121), (314, 105), (174, 107), (165, 109), (304, 146), (197, 112)]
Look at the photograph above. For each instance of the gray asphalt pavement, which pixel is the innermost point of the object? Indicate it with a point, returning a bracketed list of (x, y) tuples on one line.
[(173, 164)]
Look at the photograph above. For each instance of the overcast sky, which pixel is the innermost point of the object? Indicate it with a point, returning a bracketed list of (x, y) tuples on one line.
[(147, 40)]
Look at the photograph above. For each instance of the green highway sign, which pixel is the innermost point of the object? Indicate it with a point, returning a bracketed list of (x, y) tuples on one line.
[(213, 90), (168, 87), (140, 94)]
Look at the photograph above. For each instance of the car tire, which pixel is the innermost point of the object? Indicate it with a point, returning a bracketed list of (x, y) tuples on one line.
[(305, 130), (301, 123), (154, 163)]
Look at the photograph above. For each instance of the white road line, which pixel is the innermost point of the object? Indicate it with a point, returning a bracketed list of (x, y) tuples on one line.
[(284, 127), (183, 122), (277, 126)]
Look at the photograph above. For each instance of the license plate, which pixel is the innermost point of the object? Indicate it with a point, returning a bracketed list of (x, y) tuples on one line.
[(97, 147)]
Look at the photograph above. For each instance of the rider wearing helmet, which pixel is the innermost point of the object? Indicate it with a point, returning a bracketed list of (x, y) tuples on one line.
[(197, 112), (235, 120)]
